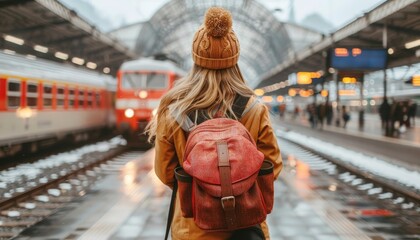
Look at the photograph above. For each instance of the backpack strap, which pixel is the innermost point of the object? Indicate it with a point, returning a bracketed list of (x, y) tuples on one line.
[(228, 199), (239, 106), (246, 110), (186, 125), (171, 209)]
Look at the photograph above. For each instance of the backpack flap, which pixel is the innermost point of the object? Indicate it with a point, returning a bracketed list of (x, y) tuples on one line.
[(201, 159)]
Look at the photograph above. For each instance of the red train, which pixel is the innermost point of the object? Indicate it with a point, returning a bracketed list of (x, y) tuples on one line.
[(42, 102), (141, 84)]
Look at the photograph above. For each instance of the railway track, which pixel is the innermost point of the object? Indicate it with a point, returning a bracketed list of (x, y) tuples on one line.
[(27, 201), (378, 205), (356, 177)]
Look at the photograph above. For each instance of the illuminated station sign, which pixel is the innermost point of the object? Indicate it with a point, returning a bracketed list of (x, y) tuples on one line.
[(305, 78), (414, 80), (350, 77), (358, 59)]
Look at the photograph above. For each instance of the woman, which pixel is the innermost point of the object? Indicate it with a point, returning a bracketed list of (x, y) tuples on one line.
[(211, 86)]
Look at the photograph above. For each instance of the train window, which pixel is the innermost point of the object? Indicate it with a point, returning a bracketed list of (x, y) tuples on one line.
[(13, 94), (32, 95), (156, 81), (47, 89), (71, 97), (47, 96), (81, 99), (47, 102), (60, 96), (32, 88), (98, 99), (89, 99), (144, 81), (13, 86)]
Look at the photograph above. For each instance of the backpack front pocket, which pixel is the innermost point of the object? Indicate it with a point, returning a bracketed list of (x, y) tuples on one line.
[(265, 181), (184, 191)]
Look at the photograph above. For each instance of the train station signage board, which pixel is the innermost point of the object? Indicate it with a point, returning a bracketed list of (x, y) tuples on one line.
[(350, 77), (415, 81), (358, 59)]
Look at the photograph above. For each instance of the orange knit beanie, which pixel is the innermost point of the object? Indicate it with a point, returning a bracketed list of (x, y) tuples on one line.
[(215, 45)]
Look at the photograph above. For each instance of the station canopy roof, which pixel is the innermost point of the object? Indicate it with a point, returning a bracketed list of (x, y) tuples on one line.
[(265, 41), (42, 28), (396, 23)]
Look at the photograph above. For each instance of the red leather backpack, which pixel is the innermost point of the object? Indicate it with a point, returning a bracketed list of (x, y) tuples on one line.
[(224, 183)]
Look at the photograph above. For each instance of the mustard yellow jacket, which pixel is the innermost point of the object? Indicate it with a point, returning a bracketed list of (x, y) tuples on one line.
[(169, 147)]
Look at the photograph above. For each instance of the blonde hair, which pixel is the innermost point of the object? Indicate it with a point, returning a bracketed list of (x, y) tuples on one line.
[(201, 89)]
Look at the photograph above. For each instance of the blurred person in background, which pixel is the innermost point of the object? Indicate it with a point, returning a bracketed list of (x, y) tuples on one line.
[(345, 115), (384, 112), (412, 109)]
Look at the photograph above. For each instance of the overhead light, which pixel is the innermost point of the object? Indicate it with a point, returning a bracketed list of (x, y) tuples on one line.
[(8, 51), (14, 40), (32, 57), (40, 48), (259, 92), (107, 70), (390, 51), (61, 55), (78, 61), (412, 44), (91, 65)]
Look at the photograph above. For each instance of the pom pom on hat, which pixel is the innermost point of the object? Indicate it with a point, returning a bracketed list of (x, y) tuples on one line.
[(215, 45), (218, 21)]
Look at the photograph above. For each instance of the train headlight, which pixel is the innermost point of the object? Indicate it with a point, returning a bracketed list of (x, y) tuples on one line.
[(143, 94), (129, 113), (154, 111)]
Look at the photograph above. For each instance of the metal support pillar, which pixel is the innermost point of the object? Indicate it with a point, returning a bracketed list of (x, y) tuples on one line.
[(385, 45), (362, 107), (338, 110), (388, 127)]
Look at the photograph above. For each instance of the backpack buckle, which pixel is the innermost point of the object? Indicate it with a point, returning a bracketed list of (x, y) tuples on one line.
[(228, 202)]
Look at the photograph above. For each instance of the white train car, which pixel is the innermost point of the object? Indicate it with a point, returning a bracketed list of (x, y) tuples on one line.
[(43, 101)]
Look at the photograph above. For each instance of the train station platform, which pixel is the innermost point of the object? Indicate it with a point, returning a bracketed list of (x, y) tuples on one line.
[(131, 203), (401, 151), (372, 128)]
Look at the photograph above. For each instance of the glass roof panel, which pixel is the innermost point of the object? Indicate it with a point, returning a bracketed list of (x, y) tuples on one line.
[(265, 41)]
